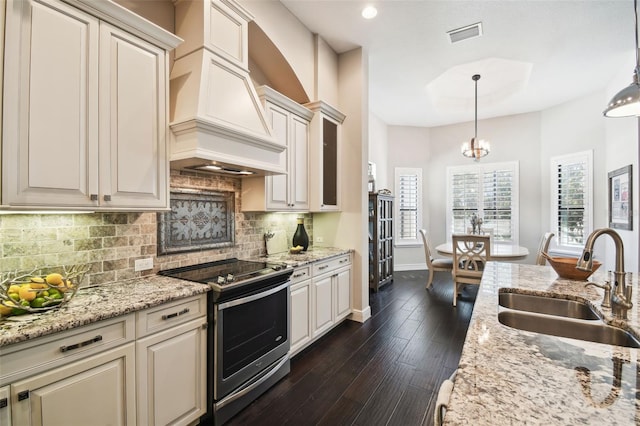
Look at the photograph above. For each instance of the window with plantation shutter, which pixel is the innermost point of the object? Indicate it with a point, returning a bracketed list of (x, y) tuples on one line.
[(408, 205), (490, 191), (571, 200)]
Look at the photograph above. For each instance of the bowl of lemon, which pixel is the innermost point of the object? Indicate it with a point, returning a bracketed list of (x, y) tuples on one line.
[(38, 290)]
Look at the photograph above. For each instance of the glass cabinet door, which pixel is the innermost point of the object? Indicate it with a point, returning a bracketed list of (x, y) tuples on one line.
[(329, 163)]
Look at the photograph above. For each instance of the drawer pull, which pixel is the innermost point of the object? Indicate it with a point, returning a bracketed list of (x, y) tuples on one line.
[(323, 267), (23, 395), (301, 274), (81, 344), (176, 314), (344, 260), (4, 403)]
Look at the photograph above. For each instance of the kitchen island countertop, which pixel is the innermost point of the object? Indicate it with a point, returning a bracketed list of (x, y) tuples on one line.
[(508, 376)]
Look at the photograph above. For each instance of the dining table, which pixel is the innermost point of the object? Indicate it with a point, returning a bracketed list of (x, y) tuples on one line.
[(499, 251)]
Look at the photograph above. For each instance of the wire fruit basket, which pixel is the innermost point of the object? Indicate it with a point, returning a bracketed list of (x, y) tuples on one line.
[(37, 291)]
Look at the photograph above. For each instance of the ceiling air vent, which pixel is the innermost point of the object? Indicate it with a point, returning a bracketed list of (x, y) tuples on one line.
[(464, 33)]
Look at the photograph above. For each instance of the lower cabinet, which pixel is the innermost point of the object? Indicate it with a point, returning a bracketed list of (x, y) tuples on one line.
[(147, 368), (171, 373), (320, 302), (99, 390), (300, 309)]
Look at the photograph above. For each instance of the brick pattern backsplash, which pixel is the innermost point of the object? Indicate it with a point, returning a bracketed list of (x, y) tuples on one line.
[(110, 243)]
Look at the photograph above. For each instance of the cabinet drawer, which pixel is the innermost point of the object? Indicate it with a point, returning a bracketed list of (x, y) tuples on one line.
[(300, 274), (37, 355), (331, 264), (170, 314)]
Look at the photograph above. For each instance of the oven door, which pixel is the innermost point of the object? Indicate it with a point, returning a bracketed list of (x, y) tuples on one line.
[(251, 333)]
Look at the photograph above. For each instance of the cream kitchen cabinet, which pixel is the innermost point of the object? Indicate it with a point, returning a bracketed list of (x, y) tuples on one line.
[(85, 107), (53, 379), (286, 192), (171, 362), (331, 293), (325, 152), (5, 409), (300, 334)]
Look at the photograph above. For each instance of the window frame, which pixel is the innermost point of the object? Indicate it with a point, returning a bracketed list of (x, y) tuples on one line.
[(481, 169), (554, 162), (398, 240)]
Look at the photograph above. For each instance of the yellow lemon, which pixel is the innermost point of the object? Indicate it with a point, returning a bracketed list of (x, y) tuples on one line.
[(38, 285), (54, 279), (13, 288), (37, 279), (6, 310), (26, 293)]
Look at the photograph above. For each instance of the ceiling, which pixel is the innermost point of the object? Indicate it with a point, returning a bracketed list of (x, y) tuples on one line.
[(533, 54)]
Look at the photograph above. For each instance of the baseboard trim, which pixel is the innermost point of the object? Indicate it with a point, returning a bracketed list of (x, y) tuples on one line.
[(361, 316), (411, 267)]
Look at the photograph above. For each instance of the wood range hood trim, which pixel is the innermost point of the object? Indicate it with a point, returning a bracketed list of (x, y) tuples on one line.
[(216, 115)]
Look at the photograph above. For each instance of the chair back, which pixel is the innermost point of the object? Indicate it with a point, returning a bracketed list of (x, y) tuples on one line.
[(470, 253), (543, 248), (427, 251)]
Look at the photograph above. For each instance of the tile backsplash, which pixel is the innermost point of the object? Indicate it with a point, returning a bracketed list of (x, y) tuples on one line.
[(111, 242)]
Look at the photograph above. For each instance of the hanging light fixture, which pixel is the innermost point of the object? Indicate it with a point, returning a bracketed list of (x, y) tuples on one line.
[(476, 149), (627, 102)]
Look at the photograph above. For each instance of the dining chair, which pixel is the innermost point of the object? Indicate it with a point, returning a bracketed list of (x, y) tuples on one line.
[(470, 253), (434, 265), (543, 248), (442, 399)]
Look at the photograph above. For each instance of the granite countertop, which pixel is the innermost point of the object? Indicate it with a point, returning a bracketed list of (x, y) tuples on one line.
[(314, 254), (509, 376), (93, 304)]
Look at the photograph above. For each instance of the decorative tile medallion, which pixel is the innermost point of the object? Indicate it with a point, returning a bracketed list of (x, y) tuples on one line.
[(198, 220)]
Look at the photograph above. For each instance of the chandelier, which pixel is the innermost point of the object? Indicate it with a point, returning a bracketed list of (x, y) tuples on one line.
[(627, 102), (475, 149)]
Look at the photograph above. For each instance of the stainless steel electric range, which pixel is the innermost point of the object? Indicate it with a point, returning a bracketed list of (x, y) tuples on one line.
[(249, 316)]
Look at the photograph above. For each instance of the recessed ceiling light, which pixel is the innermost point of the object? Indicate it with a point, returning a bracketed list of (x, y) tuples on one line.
[(369, 12)]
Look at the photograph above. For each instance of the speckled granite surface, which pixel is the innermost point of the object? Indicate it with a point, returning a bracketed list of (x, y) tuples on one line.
[(314, 254), (511, 377), (94, 304)]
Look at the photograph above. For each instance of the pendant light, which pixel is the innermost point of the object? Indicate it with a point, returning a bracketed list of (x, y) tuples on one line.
[(476, 149), (627, 102)]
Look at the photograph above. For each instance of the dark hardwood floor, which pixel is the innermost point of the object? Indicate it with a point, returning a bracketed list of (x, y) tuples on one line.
[(386, 371)]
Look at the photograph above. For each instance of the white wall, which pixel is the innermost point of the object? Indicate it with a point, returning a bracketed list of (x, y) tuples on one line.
[(379, 151)]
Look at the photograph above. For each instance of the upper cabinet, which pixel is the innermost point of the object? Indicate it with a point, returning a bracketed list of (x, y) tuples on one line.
[(325, 150), (85, 107), (290, 191)]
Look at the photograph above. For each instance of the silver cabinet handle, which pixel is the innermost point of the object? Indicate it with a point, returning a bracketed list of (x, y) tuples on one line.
[(301, 274), (176, 314), (323, 267), (81, 344)]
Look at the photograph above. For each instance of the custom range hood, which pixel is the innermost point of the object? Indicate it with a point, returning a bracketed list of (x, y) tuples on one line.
[(217, 119)]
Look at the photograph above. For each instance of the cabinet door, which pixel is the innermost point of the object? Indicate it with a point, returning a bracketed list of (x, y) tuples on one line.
[(343, 293), (133, 146), (299, 164), (50, 109), (322, 305), (330, 165), (99, 390), (277, 185), (5, 408), (172, 376), (300, 315)]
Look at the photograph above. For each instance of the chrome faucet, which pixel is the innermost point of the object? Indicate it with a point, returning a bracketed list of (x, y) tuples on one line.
[(621, 297)]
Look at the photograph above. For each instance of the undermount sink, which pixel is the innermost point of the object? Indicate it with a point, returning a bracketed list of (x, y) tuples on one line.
[(548, 305), (592, 331)]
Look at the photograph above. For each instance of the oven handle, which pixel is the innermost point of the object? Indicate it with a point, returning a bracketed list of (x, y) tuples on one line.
[(240, 393), (253, 297)]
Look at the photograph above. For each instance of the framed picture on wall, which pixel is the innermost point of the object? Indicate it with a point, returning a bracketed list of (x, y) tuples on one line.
[(620, 198)]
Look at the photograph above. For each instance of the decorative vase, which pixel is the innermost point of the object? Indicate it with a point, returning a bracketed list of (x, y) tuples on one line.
[(300, 238)]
